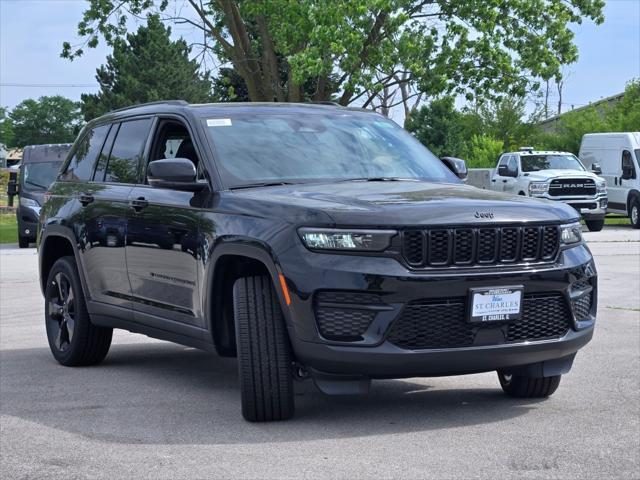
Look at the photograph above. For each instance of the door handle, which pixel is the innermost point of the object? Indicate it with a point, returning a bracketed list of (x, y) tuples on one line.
[(85, 199), (504, 181), (493, 180), (139, 203)]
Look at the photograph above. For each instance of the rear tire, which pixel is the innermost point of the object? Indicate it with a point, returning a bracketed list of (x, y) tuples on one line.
[(73, 339), (264, 354), (594, 225), (23, 242), (634, 213), (528, 387)]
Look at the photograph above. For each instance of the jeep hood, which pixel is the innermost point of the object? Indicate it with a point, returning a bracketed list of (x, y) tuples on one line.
[(399, 203)]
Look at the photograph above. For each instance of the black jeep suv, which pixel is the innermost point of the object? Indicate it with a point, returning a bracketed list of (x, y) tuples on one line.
[(309, 241)]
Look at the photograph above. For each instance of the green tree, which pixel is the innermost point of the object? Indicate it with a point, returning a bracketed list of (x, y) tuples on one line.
[(147, 66), (625, 115), (438, 125), (46, 120), (475, 48), (482, 151), (504, 120), (6, 128)]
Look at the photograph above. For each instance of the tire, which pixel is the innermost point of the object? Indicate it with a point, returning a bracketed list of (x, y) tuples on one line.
[(528, 387), (23, 242), (73, 339), (264, 353), (594, 225), (634, 213)]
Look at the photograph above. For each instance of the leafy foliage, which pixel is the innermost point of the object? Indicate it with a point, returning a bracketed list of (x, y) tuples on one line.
[(6, 128), (146, 66), (438, 125), (471, 47), (47, 120), (482, 151)]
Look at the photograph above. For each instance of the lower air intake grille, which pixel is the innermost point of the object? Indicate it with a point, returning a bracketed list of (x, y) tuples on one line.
[(426, 324), (582, 307), (342, 316), (342, 324)]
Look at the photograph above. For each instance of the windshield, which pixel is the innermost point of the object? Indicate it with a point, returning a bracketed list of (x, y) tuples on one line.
[(533, 163), (40, 175), (271, 148)]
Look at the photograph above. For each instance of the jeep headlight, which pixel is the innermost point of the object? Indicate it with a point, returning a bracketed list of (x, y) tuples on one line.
[(571, 234), (538, 188), (601, 187), (29, 203), (346, 240)]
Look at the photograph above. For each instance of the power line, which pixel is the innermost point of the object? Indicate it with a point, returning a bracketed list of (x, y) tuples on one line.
[(57, 85)]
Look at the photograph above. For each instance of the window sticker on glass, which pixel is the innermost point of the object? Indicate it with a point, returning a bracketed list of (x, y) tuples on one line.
[(219, 122)]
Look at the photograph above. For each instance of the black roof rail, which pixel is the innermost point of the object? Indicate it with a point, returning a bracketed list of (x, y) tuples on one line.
[(158, 102)]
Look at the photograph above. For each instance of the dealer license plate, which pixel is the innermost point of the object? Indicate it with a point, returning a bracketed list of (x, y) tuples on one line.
[(495, 304)]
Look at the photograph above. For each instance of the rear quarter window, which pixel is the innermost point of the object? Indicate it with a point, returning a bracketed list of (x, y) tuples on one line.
[(84, 158)]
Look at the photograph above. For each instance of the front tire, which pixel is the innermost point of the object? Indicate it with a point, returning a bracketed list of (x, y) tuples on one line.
[(264, 354), (73, 339), (528, 387), (634, 213), (594, 225)]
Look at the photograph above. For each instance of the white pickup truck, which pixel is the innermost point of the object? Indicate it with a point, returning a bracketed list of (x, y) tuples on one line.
[(555, 176)]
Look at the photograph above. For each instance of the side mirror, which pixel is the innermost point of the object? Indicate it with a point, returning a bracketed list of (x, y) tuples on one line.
[(457, 166), (175, 174), (596, 168), (503, 171)]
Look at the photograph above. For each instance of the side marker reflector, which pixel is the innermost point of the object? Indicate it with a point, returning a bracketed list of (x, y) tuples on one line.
[(285, 290)]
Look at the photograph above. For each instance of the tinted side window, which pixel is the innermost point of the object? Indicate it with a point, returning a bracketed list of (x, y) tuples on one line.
[(84, 159), (103, 158), (512, 166), (127, 151)]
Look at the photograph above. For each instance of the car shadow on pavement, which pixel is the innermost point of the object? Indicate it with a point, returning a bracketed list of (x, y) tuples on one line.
[(160, 393)]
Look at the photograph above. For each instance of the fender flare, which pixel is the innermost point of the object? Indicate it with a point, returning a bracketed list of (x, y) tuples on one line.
[(244, 247), (61, 231)]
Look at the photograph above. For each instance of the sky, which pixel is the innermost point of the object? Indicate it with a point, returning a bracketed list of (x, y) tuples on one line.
[(32, 32)]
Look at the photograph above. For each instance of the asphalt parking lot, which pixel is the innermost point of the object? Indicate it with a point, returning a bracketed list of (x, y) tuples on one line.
[(158, 410)]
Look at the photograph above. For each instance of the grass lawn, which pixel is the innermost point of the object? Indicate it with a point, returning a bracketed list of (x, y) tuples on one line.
[(8, 228)]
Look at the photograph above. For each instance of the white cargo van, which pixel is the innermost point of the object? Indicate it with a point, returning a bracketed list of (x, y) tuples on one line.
[(618, 155)]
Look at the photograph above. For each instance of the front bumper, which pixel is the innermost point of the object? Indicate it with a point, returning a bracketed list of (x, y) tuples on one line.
[(589, 208), (27, 221), (375, 356)]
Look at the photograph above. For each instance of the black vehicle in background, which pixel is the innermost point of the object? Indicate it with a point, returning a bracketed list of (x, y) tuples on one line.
[(310, 241), (30, 180)]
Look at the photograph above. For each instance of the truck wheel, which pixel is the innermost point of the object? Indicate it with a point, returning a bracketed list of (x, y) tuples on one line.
[(528, 387), (23, 242), (594, 225), (264, 354), (73, 339), (634, 213)]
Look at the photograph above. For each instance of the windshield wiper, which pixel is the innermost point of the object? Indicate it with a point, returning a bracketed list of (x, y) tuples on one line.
[(36, 184), (257, 185), (380, 179)]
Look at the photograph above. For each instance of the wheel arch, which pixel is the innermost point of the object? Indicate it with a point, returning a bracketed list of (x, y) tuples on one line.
[(230, 261), (56, 242)]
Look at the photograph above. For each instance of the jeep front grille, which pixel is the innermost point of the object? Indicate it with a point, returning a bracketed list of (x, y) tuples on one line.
[(467, 246), (572, 187)]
